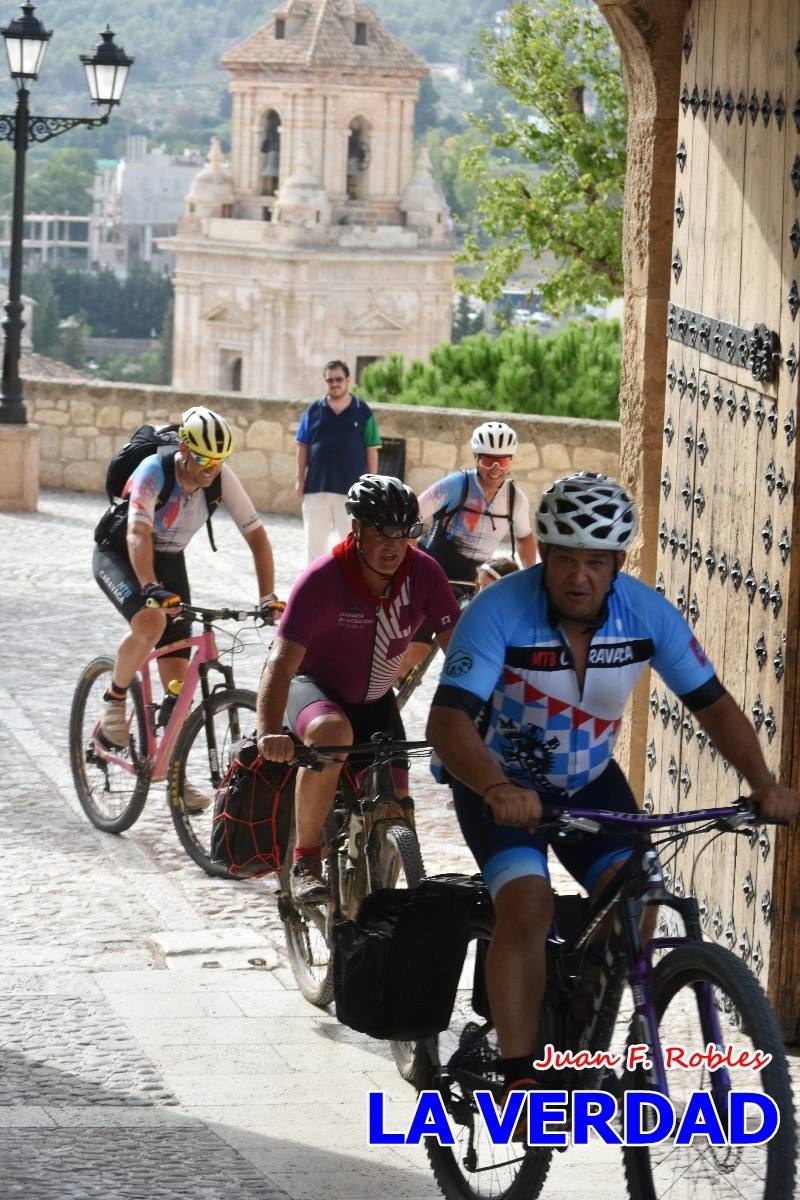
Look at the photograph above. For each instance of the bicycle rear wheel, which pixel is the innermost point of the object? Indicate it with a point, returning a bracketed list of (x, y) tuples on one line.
[(747, 1022), (464, 1058), (307, 930), (111, 783), (198, 766)]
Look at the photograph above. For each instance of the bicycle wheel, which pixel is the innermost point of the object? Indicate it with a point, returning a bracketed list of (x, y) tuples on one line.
[(307, 930), (474, 1168), (197, 768), (112, 784), (396, 861), (747, 1022)]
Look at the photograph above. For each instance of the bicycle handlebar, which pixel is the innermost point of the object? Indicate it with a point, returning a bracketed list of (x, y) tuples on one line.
[(379, 750), (592, 820), (230, 614)]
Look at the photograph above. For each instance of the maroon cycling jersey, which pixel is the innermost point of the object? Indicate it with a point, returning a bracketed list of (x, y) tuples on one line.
[(354, 641)]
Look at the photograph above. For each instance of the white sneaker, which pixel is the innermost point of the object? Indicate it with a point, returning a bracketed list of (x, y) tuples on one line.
[(195, 800), (114, 723)]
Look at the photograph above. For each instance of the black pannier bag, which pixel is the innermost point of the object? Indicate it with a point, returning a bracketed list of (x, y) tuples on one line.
[(396, 968), (252, 813)]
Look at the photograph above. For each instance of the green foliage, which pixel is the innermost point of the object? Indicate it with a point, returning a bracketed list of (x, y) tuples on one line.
[(465, 321), (45, 333), (572, 373), (448, 155), (63, 184), (147, 368), (557, 185), (134, 307), (71, 345)]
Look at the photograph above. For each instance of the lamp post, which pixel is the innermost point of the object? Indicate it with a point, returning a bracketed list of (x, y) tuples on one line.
[(106, 74)]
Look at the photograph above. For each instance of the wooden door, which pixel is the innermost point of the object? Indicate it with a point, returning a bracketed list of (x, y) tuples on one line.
[(728, 513)]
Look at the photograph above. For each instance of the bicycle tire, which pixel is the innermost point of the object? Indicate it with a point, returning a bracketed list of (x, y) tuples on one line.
[(496, 1172), (722, 1171), (190, 763), (306, 931), (398, 863), (94, 775)]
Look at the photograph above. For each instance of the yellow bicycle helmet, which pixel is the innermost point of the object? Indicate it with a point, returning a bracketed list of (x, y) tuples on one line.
[(205, 432)]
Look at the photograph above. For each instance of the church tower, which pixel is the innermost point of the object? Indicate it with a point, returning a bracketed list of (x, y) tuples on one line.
[(321, 240)]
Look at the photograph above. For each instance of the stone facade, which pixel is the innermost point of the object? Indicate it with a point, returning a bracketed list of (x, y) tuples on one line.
[(82, 424), (320, 241)]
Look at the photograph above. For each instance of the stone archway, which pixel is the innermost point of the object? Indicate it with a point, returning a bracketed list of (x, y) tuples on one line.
[(710, 250)]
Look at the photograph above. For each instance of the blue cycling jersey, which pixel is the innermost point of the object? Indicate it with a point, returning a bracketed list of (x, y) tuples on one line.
[(509, 664)]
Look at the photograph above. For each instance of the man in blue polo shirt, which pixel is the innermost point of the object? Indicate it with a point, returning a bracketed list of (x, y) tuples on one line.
[(337, 443)]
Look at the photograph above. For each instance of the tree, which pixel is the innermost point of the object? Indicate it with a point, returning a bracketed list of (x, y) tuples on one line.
[(558, 185), (448, 155), (45, 332), (465, 321), (63, 184)]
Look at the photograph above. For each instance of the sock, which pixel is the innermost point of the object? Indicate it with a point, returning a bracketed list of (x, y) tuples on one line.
[(306, 852), (515, 1069)]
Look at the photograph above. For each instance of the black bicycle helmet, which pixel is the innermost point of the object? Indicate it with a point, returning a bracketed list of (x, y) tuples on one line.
[(382, 501)]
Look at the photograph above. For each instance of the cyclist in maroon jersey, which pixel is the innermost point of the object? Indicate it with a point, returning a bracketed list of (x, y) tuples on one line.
[(348, 620)]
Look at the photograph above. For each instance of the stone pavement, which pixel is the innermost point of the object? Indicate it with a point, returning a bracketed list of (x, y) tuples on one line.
[(154, 1046)]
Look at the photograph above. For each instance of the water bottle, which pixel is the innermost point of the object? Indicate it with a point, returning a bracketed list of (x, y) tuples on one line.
[(168, 703)]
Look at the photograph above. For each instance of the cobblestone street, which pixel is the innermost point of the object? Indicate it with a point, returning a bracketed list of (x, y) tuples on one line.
[(154, 1045)]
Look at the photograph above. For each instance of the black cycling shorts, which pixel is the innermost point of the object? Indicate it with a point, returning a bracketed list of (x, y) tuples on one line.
[(116, 577), (378, 716), (506, 852)]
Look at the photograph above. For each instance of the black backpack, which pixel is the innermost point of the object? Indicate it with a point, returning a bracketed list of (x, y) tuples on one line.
[(144, 442)]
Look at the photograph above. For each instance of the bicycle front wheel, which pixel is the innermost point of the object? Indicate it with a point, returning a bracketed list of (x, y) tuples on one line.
[(202, 755), (111, 783), (464, 1058), (690, 984), (396, 861), (307, 930)]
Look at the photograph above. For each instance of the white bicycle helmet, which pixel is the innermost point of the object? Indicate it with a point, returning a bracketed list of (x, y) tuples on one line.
[(206, 432), (587, 511), (494, 437)]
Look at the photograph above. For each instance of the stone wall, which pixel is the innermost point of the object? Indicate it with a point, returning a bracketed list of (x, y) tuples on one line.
[(83, 423)]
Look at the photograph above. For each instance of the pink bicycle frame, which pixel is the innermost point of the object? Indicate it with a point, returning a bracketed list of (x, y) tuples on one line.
[(159, 752)]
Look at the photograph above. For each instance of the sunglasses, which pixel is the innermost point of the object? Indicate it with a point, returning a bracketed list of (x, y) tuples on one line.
[(206, 460), (395, 532), (491, 460), (336, 379)]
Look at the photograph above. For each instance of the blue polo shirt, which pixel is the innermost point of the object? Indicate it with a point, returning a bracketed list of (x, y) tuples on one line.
[(337, 444)]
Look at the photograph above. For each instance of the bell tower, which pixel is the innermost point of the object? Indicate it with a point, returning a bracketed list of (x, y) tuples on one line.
[(335, 244)]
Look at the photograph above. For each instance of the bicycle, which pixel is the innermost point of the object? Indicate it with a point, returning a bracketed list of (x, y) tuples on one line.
[(682, 1000), (370, 843), (169, 740), (409, 683)]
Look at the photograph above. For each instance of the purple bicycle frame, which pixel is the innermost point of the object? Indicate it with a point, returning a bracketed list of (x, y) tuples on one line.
[(640, 975)]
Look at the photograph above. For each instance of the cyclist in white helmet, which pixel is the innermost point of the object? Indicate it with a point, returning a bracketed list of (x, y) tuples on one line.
[(143, 573), (471, 513), (531, 697)]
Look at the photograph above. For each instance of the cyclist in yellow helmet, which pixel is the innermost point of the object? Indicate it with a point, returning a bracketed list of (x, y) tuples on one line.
[(144, 574)]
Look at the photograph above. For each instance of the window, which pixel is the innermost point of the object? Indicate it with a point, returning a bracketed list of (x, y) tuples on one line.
[(236, 375), (363, 361), (361, 33), (280, 29), (271, 154)]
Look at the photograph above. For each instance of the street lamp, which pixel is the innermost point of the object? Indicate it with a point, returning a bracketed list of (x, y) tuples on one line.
[(106, 74)]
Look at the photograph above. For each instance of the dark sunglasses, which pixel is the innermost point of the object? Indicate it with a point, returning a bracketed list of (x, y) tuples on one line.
[(399, 531), (336, 379)]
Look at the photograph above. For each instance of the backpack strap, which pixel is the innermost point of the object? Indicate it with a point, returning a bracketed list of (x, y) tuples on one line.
[(512, 496), (213, 495), (166, 456), (445, 514)]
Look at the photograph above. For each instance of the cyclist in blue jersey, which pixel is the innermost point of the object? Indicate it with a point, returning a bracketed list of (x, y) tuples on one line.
[(534, 684)]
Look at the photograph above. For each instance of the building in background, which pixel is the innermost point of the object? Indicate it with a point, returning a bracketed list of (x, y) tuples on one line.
[(321, 241)]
